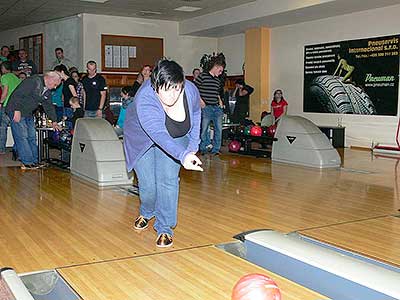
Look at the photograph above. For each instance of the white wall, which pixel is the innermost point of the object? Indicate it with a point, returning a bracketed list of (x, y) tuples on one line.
[(11, 37), (64, 33), (184, 49), (233, 48), (287, 55)]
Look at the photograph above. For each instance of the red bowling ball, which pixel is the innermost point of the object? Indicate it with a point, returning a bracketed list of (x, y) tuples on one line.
[(256, 287), (271, 130), (256, 131)]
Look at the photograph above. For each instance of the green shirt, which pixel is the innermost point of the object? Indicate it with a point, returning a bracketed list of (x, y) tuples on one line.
[(3, 59), (11, 81)]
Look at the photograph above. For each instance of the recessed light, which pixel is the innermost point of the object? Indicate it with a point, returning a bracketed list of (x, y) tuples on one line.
[(97, 1), (148, 13), (188, 8)]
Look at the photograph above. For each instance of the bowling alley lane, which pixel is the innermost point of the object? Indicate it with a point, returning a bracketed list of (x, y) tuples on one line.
[(205, 273), (377, 238)]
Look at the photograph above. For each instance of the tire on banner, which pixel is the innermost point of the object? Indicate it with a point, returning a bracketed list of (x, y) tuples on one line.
[(336, 96)]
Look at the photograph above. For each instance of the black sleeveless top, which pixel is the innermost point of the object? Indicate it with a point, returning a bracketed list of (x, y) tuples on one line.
[(178, 129)]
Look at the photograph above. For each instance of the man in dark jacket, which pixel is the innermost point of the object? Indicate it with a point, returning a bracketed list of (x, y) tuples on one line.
[(26, 98)]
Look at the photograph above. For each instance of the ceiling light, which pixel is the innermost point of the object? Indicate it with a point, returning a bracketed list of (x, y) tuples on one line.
[(188, 8), (97, 1), (148, 13)]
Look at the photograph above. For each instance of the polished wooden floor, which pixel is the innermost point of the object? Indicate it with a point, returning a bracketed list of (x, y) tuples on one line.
[(200, 273), (49, 219)]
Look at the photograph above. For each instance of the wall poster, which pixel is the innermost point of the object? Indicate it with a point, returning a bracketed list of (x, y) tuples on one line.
[(352, 77)]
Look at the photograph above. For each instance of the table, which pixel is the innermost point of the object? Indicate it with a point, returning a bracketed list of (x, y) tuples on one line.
[(335, 134), (43, 148)]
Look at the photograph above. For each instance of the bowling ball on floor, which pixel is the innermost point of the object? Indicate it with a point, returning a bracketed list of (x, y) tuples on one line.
[(256, 131), (234, 146), (256, 287), (247, 129), (271, 130)]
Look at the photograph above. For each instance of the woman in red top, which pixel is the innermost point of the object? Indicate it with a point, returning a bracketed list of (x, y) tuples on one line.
[(278, 105)]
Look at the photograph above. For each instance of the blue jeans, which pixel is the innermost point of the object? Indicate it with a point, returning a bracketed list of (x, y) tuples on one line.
[(69, 113), (4, 122), (158, 178), (24, 134), (212, 113), (92, 114)]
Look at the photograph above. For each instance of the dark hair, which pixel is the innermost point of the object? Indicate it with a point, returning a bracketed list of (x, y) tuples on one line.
[(72, 69), (5, 47), (195, 69), (147, 66), (240, 81), (22, 49), (166, 74), (72, 72), (127, 90), (276, 91), (217, 60), (63, 68), (59, 49), (7, 65), (91, 62)]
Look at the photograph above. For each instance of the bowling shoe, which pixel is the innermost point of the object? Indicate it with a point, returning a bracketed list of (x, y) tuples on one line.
[(29, 167), (164, 240), (141, 223)]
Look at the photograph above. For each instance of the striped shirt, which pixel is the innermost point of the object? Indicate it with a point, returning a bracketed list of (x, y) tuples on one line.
[(209, 87)]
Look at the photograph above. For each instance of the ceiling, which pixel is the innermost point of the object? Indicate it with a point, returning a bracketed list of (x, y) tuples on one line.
[(259, 14), (17, 13)]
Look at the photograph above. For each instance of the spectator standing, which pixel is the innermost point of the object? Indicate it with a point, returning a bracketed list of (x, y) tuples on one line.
[(278, 106), (96, 91), (196, 72), (80, 91), (61, 60), (5, 52), (242, 94), (9, 81), (22, 76), (209, 85), (23, 64), (127, 98)]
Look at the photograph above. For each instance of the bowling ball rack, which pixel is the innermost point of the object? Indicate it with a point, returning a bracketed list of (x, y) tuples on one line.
[(248, 141)]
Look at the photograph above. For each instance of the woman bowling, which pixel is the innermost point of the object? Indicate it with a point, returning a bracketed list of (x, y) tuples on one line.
[(162, 130)]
